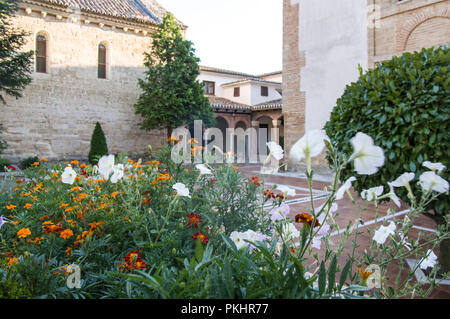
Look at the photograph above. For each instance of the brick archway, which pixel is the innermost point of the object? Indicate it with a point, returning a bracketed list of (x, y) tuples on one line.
[(406, 29)]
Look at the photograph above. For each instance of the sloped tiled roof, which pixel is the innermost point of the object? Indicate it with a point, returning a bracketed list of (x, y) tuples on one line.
[(270, 105), (251, 80), (221, 103), (223, 71), (144, 11), (225, 104)]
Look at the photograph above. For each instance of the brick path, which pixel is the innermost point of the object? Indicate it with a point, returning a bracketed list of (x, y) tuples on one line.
[(347, 213)]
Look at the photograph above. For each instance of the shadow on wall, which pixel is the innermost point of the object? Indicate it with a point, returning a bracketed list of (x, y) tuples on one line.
[(57, 113)]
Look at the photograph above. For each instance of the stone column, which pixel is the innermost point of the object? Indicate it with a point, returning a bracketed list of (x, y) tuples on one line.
[(276, 131), (253, 143)]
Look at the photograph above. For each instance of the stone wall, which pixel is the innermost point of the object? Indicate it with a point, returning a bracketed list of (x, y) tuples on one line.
[(58, 111), (408, 26)]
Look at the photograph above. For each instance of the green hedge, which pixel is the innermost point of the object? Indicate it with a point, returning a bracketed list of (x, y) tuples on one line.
[(403, 104)]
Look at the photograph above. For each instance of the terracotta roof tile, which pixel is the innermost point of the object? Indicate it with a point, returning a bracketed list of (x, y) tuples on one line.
[(145, 11), (220, 102)]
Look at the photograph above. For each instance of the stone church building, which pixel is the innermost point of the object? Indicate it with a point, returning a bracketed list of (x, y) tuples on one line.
[(324, 41), (89, 55)]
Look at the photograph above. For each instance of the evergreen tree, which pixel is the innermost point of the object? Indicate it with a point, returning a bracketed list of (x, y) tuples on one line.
[(171, 95), (98, 145), (15, 71)]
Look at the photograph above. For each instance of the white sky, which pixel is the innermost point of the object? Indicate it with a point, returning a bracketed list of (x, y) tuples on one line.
[(239, 35)]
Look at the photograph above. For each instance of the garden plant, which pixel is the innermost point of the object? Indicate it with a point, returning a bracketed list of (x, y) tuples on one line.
[(156, 229), (404, 105)]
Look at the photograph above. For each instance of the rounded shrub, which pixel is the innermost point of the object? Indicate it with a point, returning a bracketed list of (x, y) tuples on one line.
[(98, 145), (403, 104), (28, 162), (4, 163)]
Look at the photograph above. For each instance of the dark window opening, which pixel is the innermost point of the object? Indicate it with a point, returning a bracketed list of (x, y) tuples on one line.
[(237, 92), (264, 91), (101, 61), (41, 54)]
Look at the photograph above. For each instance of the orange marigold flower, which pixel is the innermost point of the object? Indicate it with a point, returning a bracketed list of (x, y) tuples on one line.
[(10, 206), (83, 166), (12, 261), (43, 159), (16, 222), (54, 174), (62, 205), (364, 274), (16, 190), (35, 164), (44, 217), (23, 233), (254, 180), (78, 178), (193, 219), (82, 196), (27, 206), (133, 260), (74, 162), (146, 201), (27, 194), (235, 168), (68, 209), (114, 194), (172, 139), (203, 237), (75, 189), (37, 240), (269, 193), (67, 233), (37, 187), (34, 198), (306, 219), (69, 251)]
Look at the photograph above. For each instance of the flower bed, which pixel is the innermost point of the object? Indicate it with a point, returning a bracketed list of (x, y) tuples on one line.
[(156, 229)]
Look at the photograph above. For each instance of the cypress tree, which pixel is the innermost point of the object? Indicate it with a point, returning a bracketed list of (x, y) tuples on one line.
[(98, 145)]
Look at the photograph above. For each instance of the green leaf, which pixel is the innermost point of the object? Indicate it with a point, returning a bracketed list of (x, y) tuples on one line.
[(332, 274), (344, 274), (322, 278)]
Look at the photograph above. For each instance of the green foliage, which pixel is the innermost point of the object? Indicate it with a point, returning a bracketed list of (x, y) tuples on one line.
[(4, 163), (171, 95), (27, 162), (403, 104), (98, 145), (15, 72)]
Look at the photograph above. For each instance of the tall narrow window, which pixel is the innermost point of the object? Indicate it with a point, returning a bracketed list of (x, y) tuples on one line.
[(264, 91), (237, 92), (101, 61), (41, 54)]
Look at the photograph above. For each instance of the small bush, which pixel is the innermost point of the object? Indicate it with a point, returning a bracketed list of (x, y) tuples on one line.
[(98, 145), (403, 105), (4, 163), (27, 162)]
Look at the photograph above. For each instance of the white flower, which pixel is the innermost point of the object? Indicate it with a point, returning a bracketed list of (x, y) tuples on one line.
[(275, 150), (367, 157), (346, 186), (106, 166), (68, 176), (383, 233), (393, 196), (240, 239), (316, 243), (181, 189), (372, 194), (117, 173), (439, 167), (310, 145), (429, 181), (287, 191), (289, 232), (280, 212), (429, 261), (203, 169), (403, 180)]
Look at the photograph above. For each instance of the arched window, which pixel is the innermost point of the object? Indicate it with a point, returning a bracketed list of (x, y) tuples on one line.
[(101, 61), (41, 54)]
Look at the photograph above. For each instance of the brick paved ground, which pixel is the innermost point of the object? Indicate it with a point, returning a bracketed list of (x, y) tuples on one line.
[(347, 213)]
